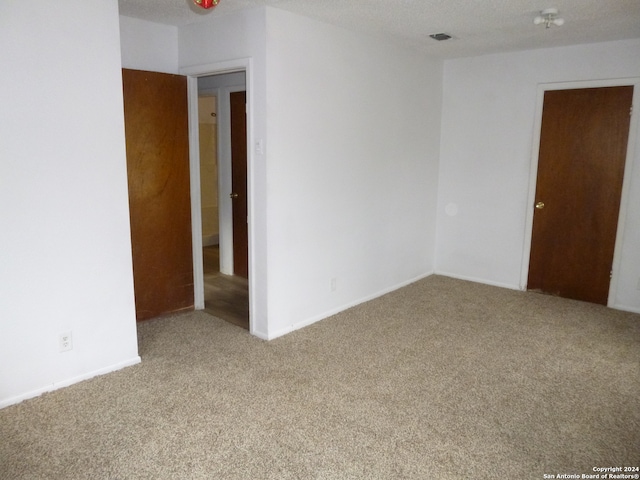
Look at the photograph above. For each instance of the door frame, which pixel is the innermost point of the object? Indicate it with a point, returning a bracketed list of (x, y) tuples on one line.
[(192, 74), (533, 173)]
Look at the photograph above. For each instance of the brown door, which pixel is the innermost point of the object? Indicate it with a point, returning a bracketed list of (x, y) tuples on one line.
[(239, 183), (156, 124), (583, 144)]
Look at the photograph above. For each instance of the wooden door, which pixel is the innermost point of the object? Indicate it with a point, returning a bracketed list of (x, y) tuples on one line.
[(156, 124), (583, 144), (239, 183)]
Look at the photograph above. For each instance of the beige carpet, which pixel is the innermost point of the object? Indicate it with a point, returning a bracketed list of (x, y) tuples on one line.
[(443, 379)]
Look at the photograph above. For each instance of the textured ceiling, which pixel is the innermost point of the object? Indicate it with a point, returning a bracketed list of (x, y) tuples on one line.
[(477, 26)]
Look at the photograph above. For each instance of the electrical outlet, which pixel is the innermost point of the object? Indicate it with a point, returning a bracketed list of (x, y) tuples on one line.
[(66, 342), (334, 284)]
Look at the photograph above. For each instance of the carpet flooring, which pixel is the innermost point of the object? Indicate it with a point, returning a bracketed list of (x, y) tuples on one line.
[(442, 379)]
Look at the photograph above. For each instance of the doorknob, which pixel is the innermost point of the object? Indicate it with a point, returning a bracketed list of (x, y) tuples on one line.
[(233, 195), (540, 205)]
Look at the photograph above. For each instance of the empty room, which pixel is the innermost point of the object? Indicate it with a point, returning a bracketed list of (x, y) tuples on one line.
[(298, 239)]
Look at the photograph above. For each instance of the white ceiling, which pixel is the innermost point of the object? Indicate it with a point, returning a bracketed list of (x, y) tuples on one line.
[(477, 26)]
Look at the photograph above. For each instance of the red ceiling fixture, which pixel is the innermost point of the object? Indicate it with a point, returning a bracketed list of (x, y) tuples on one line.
[(206, 4)]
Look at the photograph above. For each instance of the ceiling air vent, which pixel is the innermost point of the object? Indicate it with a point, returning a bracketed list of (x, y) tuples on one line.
[(440, 36)]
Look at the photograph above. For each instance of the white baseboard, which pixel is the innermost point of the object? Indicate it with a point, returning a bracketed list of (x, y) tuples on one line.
[(70, 381), (261, 335), (322, 316), (478, 280), (625, 308)]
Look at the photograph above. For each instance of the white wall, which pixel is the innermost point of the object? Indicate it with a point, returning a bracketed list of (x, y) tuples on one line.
[(148, 46), (489, 111), (65, 243), (348, 179), (353, 145)]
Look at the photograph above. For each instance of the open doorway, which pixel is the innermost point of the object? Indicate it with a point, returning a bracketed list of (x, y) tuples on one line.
[(222, 132)]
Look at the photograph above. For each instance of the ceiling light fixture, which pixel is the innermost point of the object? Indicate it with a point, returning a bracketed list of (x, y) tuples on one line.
[(549, 17), (206, 4)]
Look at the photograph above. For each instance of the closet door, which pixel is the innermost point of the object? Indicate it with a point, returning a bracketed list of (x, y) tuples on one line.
[(583, 145)]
